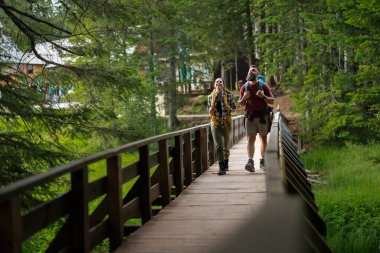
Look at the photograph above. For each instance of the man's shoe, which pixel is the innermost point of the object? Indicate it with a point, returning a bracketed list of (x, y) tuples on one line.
[(250, 166), (221, 171), (226, 165), (262, 164)]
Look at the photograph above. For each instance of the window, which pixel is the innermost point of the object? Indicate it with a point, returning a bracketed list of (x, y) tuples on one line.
[(29, 69)]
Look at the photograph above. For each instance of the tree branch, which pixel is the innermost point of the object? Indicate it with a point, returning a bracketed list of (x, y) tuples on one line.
[(4, 6), (29, 32)]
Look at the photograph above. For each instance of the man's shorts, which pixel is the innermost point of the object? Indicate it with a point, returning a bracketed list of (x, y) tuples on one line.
[(254, 126)]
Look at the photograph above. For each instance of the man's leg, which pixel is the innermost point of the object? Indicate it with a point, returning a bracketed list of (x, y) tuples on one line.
[(251, 145), (263, 132), (263, 139), (251, 128)]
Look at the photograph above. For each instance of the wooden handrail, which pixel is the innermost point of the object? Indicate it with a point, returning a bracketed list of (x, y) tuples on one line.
[(289, 222), (176, 168)]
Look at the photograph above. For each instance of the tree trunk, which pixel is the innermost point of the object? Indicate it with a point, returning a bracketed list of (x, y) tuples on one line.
[(172, 94), (249, 33), (301, 48), (230, 82), (153, 110), (236, 69), (222, 74)]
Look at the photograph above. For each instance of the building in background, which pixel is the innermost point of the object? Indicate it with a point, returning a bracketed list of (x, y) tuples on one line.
[(24, 70)]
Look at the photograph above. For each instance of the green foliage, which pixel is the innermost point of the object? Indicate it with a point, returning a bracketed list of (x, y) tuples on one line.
[(40, 241), (29, 133), (348, 202), (116, 99)]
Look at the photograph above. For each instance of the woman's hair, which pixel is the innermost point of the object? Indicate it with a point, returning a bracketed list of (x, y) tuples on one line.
[(224, 87), (218, 79)]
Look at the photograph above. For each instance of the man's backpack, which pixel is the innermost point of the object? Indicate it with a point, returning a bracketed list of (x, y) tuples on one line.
[(269, 108)]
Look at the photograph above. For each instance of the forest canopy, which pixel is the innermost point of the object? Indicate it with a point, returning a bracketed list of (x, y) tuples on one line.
[(121, 54)]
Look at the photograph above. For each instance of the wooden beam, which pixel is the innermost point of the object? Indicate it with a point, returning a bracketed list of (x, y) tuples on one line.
[(79, 219), (204, 150), (198, 153), (114, 201), (164, 173), (188, 158), (10, 226), (178, 164), (144, 183)]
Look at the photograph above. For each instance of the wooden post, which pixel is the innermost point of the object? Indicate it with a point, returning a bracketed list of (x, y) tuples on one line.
[(144, 184), (188, 159), (178, 164), (79, 219), (231, 134), (235, 131), (241, 128), (204, 150), (114, 201), (10, 226), (198, 153), (164, 171)]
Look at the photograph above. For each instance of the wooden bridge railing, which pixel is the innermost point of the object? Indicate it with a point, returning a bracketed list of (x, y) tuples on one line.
[(155, 179), (289, 223), (310, 230)]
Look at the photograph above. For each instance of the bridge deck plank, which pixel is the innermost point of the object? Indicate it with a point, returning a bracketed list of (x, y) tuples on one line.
[(211, 209)]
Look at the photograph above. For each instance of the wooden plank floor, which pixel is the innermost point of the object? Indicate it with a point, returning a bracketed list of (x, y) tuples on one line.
[(208, 212)]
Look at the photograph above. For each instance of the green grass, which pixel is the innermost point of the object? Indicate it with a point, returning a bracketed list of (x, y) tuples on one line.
[(198, 105), (195, 105), (349, 202)]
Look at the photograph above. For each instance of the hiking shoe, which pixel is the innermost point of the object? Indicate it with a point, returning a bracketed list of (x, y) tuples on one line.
[(262, 164), (222, 170), (250, 166), (226, 165)]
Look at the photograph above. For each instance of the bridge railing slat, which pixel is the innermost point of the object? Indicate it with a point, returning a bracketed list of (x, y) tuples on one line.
[(144, 184), (114, 201), (78, 212), (178, 165), (188, 158), (164, 172), (11, 225)]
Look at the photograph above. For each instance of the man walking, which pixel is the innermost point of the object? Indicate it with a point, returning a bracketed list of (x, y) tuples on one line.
[(255, 96)]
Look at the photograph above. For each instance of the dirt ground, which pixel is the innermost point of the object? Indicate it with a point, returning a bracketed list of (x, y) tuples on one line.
[(284, 103)]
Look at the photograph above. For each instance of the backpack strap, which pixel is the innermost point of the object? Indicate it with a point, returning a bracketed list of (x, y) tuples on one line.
[(261, 80), (246, 86)]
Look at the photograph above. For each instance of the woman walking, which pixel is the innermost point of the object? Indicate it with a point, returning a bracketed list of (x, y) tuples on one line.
[(220, 106)]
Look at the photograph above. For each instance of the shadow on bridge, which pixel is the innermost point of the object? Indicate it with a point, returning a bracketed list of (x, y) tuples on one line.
[(197, 211)]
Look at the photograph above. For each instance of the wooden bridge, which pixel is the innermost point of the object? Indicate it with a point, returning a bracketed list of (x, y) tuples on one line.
[(171, 200)]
